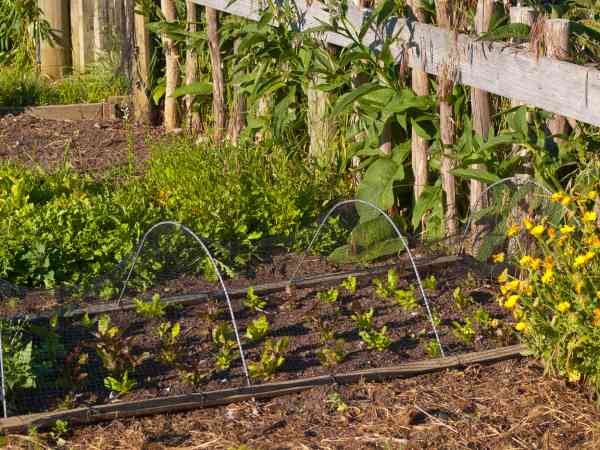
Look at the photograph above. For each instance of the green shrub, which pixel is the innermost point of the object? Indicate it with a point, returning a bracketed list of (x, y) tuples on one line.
[(17, 354)]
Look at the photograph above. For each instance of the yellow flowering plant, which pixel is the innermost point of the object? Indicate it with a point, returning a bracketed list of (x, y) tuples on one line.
[(554, 290)]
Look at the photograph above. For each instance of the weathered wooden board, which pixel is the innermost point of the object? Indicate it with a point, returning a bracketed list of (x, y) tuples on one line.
[(555, 86), (178, 403)]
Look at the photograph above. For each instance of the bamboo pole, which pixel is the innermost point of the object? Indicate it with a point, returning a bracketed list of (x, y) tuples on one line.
[(54, 56), (445, 84), (480, 105), (191, 69), (214, 43), (141, 65), (321, 127), (237, 116), (556, 41), (419, 146), (172, 68)]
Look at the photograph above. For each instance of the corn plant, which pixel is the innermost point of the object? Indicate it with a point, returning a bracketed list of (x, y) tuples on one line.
[(271, 359)]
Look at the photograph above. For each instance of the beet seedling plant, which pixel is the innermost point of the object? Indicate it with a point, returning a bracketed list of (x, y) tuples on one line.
[(120, 385), (271, 359), (170, 342), (362, 319), (430, 282), (223, 339)]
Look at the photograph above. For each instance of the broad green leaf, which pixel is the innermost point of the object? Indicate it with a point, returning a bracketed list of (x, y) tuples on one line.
[(476, 174), (346, 100), (197, 88)]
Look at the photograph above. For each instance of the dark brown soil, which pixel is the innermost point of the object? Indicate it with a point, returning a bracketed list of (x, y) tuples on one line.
[(90, 146), (299, 316), (508, 405)]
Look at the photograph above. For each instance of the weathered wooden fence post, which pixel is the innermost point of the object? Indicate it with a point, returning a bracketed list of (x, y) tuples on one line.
[(480, 105), (54, 56), (82, 29), (141, 65), (419, 145), (172, 68), (212, 23), (556, 42), (445, 84), (237, 115), (101, 30)]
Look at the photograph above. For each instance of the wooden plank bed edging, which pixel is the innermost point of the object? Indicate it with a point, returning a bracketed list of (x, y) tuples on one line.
[(261, 289), (179, 403)]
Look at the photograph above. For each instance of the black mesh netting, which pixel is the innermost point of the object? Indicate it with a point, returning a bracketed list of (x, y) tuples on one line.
[(160, 323)]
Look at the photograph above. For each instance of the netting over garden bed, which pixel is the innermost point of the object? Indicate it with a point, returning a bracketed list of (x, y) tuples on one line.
[(171, 319)]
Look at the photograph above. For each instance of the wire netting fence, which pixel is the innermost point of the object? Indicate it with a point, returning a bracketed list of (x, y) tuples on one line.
[(173, 319)]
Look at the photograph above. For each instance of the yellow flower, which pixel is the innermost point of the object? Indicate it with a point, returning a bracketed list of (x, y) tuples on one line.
[(525, 288), (536, 263), (498, 258), (551, 232), (525, 260), (548, 262), (513, 230), (598, 295), (548, 277), (578, 287), (537, 231), (590, 255), (521, 326), (528, 224), (557, 197), (563, 307), (596, 320), (513, 285), (579, 261), (566, 200), (574, 375), (503, 277), (592, 195), (511, 301), (494, 323), (567, 229), (590, 216)]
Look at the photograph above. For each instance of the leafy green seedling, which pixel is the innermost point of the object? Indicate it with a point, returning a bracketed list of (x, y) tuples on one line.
[(122, 385), (170, 343), (433, 349), (461, 300), (483, 318), (329, 296), (349, 284), (464, 333), (338, 403), (386, 290), (332, 354), (223, 338), (154, 309), (363, 320), (271, 359), (406, 298), (194, 378), (378, 340), (430, 282), (258, 329), (253, 301), (59, 431), (87, 322)]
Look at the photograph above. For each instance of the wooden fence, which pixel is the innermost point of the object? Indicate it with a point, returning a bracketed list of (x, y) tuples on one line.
[(509, 71)]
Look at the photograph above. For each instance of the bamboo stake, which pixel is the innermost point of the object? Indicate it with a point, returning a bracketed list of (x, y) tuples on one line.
[(191, 69), (237, 117), (419, 146), (214, 43), (172, 68), (480, 105), (445, 83), (556, 40)]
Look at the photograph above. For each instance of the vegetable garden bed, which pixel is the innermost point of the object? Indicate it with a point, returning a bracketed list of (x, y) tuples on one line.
[(326, 325)]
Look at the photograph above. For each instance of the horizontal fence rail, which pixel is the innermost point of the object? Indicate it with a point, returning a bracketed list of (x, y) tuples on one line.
[(509, 71)]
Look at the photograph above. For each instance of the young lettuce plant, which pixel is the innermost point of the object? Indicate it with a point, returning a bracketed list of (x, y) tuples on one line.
[(154, 309), (406, 298), (376, 339), (329, 296), (460, 299), (271, 359), (258, 329), (349, 284), (465, 333), (430, 282), (223, 339), (254, 302), (386, 289), (332, 354), (120, 385), (363, 319)]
